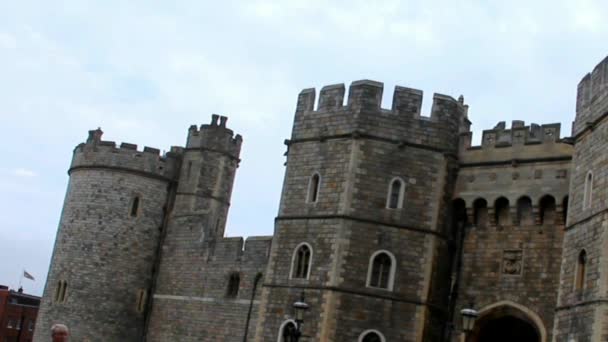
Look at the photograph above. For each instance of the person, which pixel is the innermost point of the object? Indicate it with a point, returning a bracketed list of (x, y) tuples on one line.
[(59, 333)]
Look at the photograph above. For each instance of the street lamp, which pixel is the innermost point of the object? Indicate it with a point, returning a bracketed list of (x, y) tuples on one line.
[(469, 315), (300, 308)]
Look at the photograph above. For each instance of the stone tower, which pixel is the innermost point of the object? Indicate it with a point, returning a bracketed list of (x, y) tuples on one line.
[(582, 309), (349, 170), (204, 284), (109, 230)]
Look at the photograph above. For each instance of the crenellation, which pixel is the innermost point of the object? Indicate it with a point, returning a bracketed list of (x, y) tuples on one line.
[(519, 134), (407, 102), (97, 153), (501, 225), (331, 97)]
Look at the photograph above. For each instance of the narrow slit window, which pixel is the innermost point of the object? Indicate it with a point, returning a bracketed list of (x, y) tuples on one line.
[(301, 262), (142, 297), (588, 194), (581, 270), (395, 194), (64, 290), (135, 206), (234, 282), (313, 188)]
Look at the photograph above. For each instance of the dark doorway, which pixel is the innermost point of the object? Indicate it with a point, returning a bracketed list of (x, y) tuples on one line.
[(507, 329)]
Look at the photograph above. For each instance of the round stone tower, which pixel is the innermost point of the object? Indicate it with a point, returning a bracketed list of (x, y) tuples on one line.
[(107, 241)]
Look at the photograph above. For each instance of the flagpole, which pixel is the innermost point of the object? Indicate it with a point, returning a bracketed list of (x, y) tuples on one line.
[(21, 278)]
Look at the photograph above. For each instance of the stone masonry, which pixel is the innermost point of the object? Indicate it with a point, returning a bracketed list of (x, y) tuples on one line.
[(140, 253)]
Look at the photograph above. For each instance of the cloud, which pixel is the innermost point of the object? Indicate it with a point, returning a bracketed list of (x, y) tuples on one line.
[(21, 172)]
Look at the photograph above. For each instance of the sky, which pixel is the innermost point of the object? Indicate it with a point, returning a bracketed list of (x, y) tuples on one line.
[(144, 71)]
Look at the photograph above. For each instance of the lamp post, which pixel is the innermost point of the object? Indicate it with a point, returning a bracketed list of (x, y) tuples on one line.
[(300, 308), (469, 315)]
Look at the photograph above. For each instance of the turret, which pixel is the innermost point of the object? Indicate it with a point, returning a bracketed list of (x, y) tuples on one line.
[(105, 250)]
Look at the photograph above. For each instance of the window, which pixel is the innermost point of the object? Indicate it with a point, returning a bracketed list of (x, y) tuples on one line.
[(371, 336), (547, 210), (524, 211), (233, 285), (142, 297), (381, 271), (10, 323), (480, 212), (60, 291), (286, 331), (30, 325), (301, 260), (581, 270), (501, 208), (565, 210), (396, 190), (588, 194), (135, 206), (313, 188)]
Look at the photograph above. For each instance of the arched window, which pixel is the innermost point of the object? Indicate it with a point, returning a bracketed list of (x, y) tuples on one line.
[(313, 188), (134, 207), (381, 270), (588, 194), (524, 211), (286, 332), (233, 285), (547, 210), (480, 207), (581, 270), (501, 211), (396, 189), (565, 210), (371, 336), (301, 260)]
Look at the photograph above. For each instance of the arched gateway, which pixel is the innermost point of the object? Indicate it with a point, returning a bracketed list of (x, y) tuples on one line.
[(508, 321)]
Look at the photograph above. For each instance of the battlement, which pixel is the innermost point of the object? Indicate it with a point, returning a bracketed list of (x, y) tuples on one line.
[(592, 97), (518, 134), (520, 142), (253, 249), (96, 152), (363, 113), (215, 136)]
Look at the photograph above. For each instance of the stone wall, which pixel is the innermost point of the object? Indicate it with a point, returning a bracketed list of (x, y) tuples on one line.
[(511, 259), (357, 150), (105, 253), (582, 312)]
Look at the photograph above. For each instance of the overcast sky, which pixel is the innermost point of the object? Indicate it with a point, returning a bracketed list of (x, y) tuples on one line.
[(144, 71)]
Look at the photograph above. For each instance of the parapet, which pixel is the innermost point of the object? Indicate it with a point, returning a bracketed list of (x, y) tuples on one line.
[(519, 141), (592, 96), (363, 112), (216, 137), (254, 249), (97, 153), (518, 134)]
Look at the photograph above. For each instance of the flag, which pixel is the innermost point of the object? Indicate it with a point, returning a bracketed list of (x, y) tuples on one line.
[(27, 275)]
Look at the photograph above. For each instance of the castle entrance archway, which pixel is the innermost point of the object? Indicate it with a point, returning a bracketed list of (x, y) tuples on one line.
[(508, 321)]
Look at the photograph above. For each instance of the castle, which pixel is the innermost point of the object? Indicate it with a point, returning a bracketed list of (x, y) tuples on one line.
[(390, 223)]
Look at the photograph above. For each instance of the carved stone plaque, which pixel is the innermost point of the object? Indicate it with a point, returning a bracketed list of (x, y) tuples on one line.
[(512, 262)]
